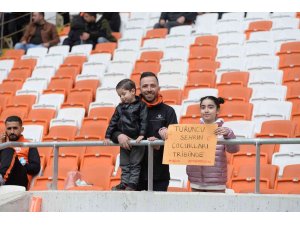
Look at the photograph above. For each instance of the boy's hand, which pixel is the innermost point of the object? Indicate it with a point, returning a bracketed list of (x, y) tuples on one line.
[(155, 147), (106, 141), (138, 140)]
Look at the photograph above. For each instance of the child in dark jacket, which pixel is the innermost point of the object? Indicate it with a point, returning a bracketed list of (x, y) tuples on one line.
[(130, 118)]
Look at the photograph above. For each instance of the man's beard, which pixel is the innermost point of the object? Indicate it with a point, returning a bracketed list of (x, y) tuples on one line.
[(13, 137)]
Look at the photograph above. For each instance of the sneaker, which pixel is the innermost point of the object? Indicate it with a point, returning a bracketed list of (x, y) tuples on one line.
[(119, 187)]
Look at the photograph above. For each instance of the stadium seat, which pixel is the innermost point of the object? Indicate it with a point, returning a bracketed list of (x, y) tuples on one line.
[(83, 49), (145, 66), (202, 52), (256, 26), (184, 30), (94, 127), (236, 111), (124, 68), (231, 39), (125, 55), (277, 129), (79, 98), (293, 93), (284, 159), (53, 100), (74, 61), (178, 176), (268, 93), (21, 73), (172, 96), (209, 40), (12, 54), (107, 96), (234, 79), (230, 52), (33, 133), (53, 61), (14, 110), (11, 85), (291, 76), (283, 24), (71, 72), (231, 65), (265, 77), (230, 27), (235, 94), (65, 84), (241, 128), (260, 49), (64, 129), (59, 50), (103, 58), (234, 16), (91, 84), (156, 33), (101, 163), (152, 56), (44, 183), (261, 37), (66, 163), (203, 65), (206, 23), (254, 16), (133, 44), (175, 54), (105, 48), (28, 100), (39, 52)]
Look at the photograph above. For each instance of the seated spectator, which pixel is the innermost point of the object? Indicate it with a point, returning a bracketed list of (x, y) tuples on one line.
[(85, 30), (17, 164), (113, 19), (172, 19), (39, 33)]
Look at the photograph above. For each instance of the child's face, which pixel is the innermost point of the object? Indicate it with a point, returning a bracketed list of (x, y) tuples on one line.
[(126, 96), (208, 111)]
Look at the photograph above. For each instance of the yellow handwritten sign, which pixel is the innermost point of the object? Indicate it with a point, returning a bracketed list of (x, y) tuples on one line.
[(190, 144)]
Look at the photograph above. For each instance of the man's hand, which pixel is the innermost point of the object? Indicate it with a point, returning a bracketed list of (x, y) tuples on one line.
[(124, 141), (163, 132), (222, 131), (3, 138), (162, 22), (84, 36), (155, 147), (138, 140), (181, 20), (106, 141), (46, 45)]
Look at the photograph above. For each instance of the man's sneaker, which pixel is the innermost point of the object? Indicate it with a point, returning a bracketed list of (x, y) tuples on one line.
[(119, 187)]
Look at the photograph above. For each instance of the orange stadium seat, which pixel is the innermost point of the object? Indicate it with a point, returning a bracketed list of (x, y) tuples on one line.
[(204, 79), (28, 100), (5, 99), (66, 71), (114, 181), (192, 115), (152, 56), (156, 33), (14, 110), (296, 115), (293, 93), (102, 112), (103, 164), (203, 65), (172, 97), (117, 35), (235, 93), (88, 84), (62, 131), (19, 73), (43, 183), (258, 26), (291, 76), (65, 84), (289, 48), (210, 40), (289, 61), (289, 183), (66, 163), (79, 97), (268, 150), (74, 61), (11, 85), (25, 63), (94, 127), (236, 111), (12, 54), (245, 178), (146, 66), (234, 79), (247, 158), (277, 129), (202, 52), (108, 47), (106, 150)]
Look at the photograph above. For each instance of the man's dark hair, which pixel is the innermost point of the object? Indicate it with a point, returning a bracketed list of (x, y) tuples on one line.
[(148, 74), (94, 14), (126, 84), (14, 119)]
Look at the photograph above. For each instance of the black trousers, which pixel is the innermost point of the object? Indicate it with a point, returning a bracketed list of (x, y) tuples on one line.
[(11, 169), (130, 163), (158, 185)]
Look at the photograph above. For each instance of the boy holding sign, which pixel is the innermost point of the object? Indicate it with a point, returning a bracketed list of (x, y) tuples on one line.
[(212, 178)]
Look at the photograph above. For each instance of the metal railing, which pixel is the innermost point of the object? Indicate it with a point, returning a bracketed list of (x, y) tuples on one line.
[(56, 145)]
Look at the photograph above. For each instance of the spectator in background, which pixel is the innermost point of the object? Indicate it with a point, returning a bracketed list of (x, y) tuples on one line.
[(85, 30), (160, 116), (172, 19), (212, 178), (39, 33), (17, 164), (113, 19)]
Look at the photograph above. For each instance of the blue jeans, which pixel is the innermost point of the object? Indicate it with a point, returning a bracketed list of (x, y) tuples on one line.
[(25, 47)]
